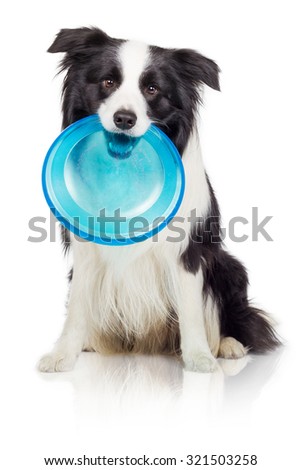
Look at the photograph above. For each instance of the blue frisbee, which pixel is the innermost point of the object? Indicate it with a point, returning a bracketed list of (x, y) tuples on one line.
[(110, 188)]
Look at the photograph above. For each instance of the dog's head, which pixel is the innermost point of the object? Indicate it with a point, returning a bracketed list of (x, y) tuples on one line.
[(131, 85)]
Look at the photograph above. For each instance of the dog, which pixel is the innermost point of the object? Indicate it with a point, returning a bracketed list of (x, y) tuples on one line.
[(188, 297)]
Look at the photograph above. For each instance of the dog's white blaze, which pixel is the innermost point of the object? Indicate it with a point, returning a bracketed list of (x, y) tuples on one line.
[(133, 57)]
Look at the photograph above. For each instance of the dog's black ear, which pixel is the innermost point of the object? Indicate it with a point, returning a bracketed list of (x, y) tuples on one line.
[(194, 67), (77, 40)]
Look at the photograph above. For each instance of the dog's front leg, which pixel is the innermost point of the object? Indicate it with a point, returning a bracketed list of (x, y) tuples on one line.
[(72, 339), (194, 344)]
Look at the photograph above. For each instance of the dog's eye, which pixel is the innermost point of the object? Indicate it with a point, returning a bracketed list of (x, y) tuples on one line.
[(108, 83), (152, 89)]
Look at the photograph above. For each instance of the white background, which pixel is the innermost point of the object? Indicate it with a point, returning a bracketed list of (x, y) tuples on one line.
[(121, 405)]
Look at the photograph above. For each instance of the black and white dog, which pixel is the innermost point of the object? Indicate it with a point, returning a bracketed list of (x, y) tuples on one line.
[(187, 297)]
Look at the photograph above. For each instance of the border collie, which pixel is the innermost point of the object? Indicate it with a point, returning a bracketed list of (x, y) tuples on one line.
[(187, 297)]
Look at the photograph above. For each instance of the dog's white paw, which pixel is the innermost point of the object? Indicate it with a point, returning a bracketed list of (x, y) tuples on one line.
[(230, 348), (200, 362), (56, 362)]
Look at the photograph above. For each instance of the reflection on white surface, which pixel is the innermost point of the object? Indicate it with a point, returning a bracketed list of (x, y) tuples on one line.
[(153, 387)]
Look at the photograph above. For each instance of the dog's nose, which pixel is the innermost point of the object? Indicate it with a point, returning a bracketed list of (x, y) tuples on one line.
[(124, 120)]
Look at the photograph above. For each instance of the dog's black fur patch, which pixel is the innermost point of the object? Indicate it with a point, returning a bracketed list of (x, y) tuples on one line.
[(226, 280)]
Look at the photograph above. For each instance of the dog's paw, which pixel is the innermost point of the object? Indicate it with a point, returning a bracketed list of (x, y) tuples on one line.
[(200, 362), (56, 362), (230, 348)]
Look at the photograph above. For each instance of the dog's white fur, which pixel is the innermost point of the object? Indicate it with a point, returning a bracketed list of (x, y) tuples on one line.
[(133, 56), (134, 286)]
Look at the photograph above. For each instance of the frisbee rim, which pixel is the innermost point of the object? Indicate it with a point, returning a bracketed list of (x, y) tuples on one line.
[(109, 240)]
